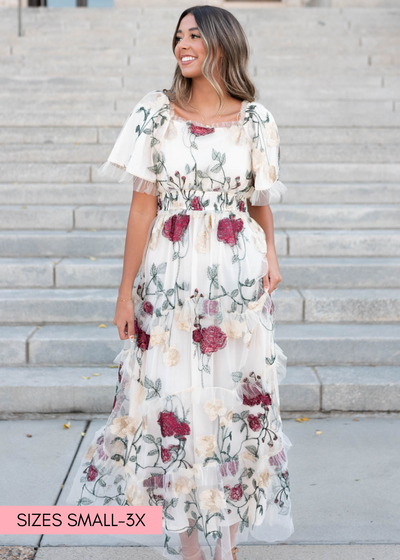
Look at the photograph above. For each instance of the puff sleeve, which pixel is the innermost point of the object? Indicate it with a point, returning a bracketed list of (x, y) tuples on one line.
[(136, 149), (265, 156)]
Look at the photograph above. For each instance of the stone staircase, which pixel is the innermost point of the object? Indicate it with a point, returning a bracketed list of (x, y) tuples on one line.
[(331, 79)]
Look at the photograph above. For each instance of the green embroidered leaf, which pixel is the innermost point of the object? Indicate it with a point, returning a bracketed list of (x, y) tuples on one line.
[(216, 168), (152, 452), (252, 449), (117, 457), (236, 376), (84, 502), (148, 438)]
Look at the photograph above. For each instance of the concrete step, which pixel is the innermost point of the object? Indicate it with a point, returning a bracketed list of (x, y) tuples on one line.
[(49, 389), (297, 272), (343, 243), (304, 216), (296, 243), (44, 89), (290, 136), (285, 118), (304, 344), (70, 194), (294, 153), (322, 193), (88, 305)]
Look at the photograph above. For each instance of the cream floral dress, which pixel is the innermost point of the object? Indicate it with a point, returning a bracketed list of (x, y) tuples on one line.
[(195, 425)]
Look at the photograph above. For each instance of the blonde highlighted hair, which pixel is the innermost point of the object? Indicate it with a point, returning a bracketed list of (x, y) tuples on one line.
[(217, 27)]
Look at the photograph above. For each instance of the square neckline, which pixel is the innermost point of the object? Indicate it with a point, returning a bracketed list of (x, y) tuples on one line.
[(224, 124)]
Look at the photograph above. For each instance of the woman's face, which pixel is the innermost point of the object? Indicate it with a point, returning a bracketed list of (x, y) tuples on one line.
[(190, 50)]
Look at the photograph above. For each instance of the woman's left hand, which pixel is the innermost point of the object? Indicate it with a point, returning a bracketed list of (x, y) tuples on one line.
[(273, 276)]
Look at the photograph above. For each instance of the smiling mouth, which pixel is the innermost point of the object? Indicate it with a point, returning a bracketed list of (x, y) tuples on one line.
[(187, 59)]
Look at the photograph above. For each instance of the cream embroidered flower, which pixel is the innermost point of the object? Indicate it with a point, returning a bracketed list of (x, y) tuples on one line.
[(271, 173), (91, 451), (133, 495), (235, 329), (182, 318), (205, 445), (171, 130), (226, 420), (258, 304), (258, 158), (171, 357), (184, 485), (247, 337), (214, 408), (264, 479), (260, 237), (210, 220), (123, 426), (248, 456), (138, 395), (155, 234), (212, 500), (202, 242), (158, 335), (272, 134), (238, 134)]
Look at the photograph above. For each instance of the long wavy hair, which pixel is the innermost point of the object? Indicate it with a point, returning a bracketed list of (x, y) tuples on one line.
[(217, 27)]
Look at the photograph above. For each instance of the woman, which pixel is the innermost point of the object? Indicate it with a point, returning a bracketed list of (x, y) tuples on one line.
[(195, 425)]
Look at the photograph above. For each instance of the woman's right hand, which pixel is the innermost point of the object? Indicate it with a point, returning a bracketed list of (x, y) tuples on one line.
[(124, 319)]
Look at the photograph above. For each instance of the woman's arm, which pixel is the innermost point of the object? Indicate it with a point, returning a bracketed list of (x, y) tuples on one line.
[(263, 216), (142, 213)]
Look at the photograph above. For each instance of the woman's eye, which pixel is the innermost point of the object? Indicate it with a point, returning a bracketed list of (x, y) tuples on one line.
[(192, 35)]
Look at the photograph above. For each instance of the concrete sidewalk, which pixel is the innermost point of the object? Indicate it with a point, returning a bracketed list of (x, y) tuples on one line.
[(344, 485)]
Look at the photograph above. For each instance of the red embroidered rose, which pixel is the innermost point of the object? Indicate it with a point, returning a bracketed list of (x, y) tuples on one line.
[(242, 206), (142, 338), (278, 459), (92, 474), (211, 339), (228, 228), (210, 306), (201, 130), (231, 466), (196, 204), (148, 307), (154, 481), (175, 227), (253, 395), (166, 453), (119, 372), (100, 440), (236, 492), (159, 499), (255, 422), (171, 426), (196, 334)]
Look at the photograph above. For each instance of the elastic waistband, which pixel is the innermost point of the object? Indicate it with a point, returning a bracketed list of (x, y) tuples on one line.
[(202, 201)]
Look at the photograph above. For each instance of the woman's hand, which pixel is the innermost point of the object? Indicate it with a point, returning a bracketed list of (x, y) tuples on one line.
[(273, 276), (124, 319)]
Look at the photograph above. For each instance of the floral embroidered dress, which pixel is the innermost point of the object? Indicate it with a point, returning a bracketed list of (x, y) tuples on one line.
[(195, 425)]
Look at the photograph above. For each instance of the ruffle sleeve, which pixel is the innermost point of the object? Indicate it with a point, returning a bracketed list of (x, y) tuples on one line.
[(265, 156), (136, 153)]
